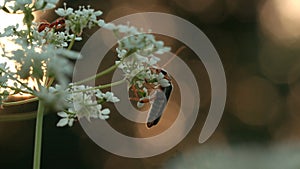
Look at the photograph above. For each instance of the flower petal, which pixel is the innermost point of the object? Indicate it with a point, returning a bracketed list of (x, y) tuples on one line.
[(105, 111), (62, 114), (62, 122)]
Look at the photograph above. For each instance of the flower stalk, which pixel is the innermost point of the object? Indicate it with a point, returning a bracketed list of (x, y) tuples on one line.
[(38, 136), (44, 56)]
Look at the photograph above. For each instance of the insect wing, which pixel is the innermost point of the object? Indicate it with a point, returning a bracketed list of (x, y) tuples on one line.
[(158, 106), (167, 91)]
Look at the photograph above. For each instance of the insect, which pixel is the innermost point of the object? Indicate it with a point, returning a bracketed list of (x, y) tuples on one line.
[(56, 25), (159, 95)]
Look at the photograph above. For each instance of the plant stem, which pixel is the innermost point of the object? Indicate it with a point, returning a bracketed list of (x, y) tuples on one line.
[(38, 136), (16, 79), (16, 89), (17, 117), (102, 86), (106, 71), (29, 33), (15, 103), (51, 80), (72, 42)]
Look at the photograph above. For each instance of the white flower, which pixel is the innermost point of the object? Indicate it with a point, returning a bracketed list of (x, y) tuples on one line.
[(101, 22), (121, 52), (77, 20), (62, 122), (109, 96), (136, 52), (141, 102), (104, 114), (110, 26), (62, 114), (84, 106), (85, 103), (153, 60), (140, 105), (70, 122), (163, 50), (50, 4), (162, 81), (65, 120), (39, 4), (98, 13), (123, 28), (64, 11)]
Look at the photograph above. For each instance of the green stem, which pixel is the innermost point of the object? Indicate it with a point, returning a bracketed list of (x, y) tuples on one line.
[(18, 117), (102, 86), (106, 71), (15, 103), (29, 33), (38, 136), (72, 42), (16, 89), (13, 78), (50, 82)]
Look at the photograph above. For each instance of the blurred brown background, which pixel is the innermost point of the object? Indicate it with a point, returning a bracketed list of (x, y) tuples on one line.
[(258, 43)]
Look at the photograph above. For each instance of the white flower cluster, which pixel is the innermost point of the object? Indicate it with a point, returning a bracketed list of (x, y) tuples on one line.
[(59, 39), (42, 56), (45, 4), (3, 76), (21, 5), (136, 51), (46, 61), (133, 40), (77, 20), (3, 81), (85, 102)]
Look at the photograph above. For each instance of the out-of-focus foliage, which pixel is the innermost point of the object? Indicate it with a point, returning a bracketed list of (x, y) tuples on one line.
[(239, 157)]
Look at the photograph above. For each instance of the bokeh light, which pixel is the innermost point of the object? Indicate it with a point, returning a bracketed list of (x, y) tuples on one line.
[(280, 21), (255, 101), (279, 64)]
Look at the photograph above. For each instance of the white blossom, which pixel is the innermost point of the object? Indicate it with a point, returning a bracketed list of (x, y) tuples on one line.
[(108, 96), (162, 81), (136, 51), (64, 11), (104, 114), (42, 56), (86, 102), (62, 122), (77, 20)]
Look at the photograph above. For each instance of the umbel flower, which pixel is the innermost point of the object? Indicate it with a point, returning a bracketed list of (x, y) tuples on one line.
[(77, 20), (86, 104), (137, 58), (44, 55)]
